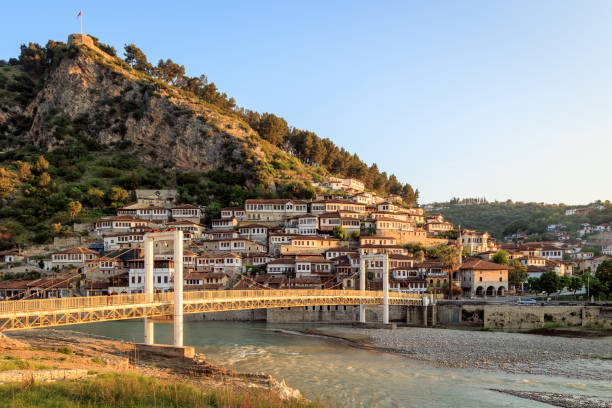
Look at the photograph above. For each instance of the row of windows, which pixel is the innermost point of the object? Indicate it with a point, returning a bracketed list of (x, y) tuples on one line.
[(227, 245), (153, 212), (107, 264), (253, 230), (185, 212), (405, 273), (280, 269), (218, 261), (70, 257), (139, 279)]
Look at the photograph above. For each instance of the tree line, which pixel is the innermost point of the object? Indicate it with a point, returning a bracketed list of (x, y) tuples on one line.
[(304, 144)]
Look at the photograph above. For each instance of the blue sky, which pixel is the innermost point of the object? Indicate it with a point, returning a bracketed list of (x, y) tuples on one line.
[(502, 99)]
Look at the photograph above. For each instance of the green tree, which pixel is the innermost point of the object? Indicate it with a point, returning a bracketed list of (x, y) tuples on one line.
[(33, 58), (564, 282), (169, 71), (94, 197), (534, 284), (137, 59), (549, 282), (446, 254), (575, 284), (340, 233), (501, 257), (596, 251), (604, 275), (517, 273), (415, 247), (273, 129)]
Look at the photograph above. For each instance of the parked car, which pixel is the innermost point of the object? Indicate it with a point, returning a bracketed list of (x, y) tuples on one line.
[(526, 302)]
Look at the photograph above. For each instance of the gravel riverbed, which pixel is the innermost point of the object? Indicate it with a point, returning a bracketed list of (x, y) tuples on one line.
[(581, 358)]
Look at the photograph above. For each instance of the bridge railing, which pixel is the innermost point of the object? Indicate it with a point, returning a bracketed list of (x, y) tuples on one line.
[(38, 305)]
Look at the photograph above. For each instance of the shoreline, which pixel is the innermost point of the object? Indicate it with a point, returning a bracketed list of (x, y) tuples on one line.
[(554, 399), (104, 354), (200, 372), (513, 353)]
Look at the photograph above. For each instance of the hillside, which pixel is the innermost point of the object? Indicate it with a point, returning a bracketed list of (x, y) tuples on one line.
[(80, 125), (505, 218)]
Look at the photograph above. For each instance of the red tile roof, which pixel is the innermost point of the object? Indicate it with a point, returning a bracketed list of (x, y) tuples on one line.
[(481, 264), (77, 250)]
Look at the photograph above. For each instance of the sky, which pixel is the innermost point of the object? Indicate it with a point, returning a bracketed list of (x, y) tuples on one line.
[(496, 99)]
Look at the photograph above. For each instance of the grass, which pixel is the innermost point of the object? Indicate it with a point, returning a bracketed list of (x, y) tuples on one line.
[(65, 350), (9, 363), (134, 391)]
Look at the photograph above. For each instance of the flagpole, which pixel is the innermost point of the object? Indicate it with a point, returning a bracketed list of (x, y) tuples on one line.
[(81, 22)]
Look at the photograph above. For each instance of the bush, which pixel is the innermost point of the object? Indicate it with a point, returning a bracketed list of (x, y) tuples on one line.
[(65, 350)]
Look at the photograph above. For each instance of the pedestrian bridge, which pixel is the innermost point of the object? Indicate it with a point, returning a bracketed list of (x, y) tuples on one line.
[(37, 313)]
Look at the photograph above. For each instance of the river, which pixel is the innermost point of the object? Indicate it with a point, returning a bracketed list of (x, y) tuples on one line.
[(345, 376)]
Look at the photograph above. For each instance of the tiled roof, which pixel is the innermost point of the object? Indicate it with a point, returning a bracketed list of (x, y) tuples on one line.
[(273, 201), (76, 250), (185, 207), (481, 264)]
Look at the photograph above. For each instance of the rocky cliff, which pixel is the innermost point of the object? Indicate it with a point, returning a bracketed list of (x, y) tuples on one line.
[(99, 97)]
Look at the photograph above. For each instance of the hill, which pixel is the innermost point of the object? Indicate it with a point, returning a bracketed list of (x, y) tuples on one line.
[(505, 218), (80, 125)]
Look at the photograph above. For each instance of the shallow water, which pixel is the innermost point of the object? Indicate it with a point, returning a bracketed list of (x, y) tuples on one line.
[(346, 376)]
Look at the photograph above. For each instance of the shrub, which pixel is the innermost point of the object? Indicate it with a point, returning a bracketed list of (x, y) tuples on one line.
[(65, 350)]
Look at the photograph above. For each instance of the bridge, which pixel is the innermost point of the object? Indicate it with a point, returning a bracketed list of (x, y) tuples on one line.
[(35, 313), (39, 313)]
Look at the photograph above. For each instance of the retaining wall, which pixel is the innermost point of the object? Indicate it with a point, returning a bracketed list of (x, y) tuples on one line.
[(519, 316), (41, 375), (230, 315), (336, 314)]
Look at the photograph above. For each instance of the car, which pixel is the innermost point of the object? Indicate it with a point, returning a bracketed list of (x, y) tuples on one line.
[(527, 302)]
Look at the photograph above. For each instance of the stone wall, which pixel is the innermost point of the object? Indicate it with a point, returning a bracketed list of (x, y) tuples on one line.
[(76, 39), (335, 314), (305, 314), (518, 316), (41, 375), (525, 317), (230, 315)]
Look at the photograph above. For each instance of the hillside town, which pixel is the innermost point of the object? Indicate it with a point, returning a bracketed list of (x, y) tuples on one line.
[(282, 243)]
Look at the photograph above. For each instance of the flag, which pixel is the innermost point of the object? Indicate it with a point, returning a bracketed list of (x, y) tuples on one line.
[(80, 12)]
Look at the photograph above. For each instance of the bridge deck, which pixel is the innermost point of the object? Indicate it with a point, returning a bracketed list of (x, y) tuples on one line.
[(34, 313)]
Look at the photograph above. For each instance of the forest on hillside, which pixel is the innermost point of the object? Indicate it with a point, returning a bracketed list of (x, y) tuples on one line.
[(505, 218)]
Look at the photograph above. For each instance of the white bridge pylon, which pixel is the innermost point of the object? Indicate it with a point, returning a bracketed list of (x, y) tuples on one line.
[(375, 261), (149, 289)]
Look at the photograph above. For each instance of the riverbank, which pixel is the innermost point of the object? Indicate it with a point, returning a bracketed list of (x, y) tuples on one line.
[(98, 361), (515, 353)]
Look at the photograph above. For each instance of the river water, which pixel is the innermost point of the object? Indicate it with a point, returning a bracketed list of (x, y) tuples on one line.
[(345, 376)]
